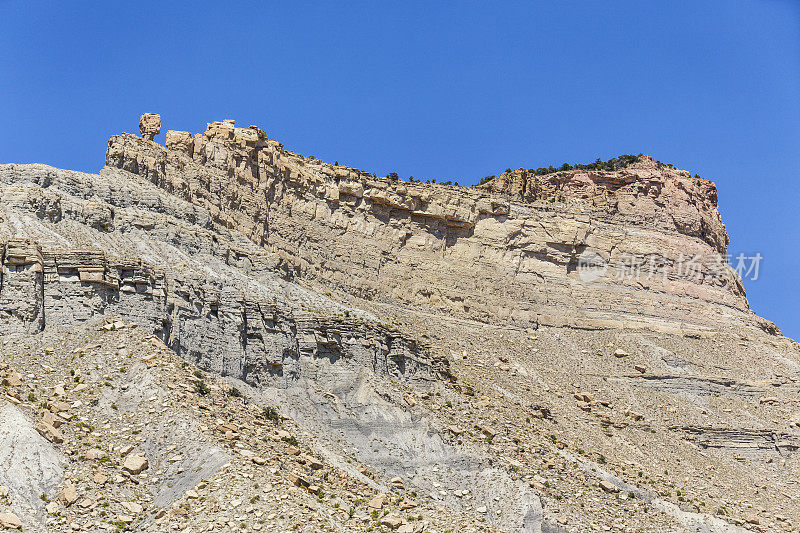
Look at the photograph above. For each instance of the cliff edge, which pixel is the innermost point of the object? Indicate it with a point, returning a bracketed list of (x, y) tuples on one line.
[(641, 247)]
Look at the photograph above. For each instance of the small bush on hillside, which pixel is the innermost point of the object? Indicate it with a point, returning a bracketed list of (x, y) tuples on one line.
[(201, 388), (269, 413)]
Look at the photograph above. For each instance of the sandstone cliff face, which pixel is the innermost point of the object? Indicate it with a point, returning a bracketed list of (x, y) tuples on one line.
[(522, 354), (511, 250), (73, 247), (77, 248), (642, 194)]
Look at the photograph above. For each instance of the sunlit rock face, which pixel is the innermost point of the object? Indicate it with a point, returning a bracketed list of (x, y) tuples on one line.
[(640, 247)]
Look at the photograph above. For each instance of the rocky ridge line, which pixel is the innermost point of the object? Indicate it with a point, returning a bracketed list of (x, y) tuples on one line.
[(451, 248)]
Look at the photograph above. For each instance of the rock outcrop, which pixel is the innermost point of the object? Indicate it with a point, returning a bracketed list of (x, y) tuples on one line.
[(511, 250), (150, 125), (220, 302), (558, 352)]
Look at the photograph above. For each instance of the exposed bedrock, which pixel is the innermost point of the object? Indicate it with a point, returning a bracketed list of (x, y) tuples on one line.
[(515, 249), (451, 336), (215, 298)]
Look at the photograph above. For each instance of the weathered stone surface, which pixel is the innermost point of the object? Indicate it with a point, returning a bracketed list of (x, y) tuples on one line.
[(378, 501), (391, 521), (132, 507), (244, 295), (22, 284), (150, 125), (49, 432), (608, 487), (180, 141), (248, 261), (10, 521), (94, 454), (447, 247), (135, 464), (297, 480), (68, 495), (29, 465), (10, 378)]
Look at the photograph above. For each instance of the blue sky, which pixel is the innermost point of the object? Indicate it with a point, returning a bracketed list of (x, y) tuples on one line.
[(452, 90)]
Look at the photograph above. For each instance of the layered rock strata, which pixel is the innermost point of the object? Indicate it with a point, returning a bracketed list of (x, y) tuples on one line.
[(642, 247), (74, 246), (232, 250)]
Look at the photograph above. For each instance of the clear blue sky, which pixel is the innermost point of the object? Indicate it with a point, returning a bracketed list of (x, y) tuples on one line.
[(450, 90)]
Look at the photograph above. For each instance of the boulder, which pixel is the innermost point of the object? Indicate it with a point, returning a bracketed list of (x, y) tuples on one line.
[(607, 486), (378, 501), (96, 454), (135, 464), (51, 419), (11, 379), (392, 521), (408, 504), (49, 432), (69, 495), (150, 125), (312, 462), (297, 480), (133, 507), (10, 521)]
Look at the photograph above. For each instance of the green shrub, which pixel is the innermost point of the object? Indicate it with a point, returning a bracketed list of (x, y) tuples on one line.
[(269, 413), (201, 388), (291, 440), (615, 163)]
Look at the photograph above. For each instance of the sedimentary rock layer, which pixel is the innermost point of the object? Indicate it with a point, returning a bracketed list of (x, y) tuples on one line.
[(74, 246), (642, 247)]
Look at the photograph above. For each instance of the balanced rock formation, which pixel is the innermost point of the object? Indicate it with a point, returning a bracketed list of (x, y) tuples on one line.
[(150, 125)]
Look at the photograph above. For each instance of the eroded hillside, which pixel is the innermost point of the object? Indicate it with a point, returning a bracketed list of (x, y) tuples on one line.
[(566, 351)]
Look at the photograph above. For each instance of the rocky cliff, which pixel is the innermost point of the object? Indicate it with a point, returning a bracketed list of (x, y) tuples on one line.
[(113, 247), (221, 333), (511, 250)]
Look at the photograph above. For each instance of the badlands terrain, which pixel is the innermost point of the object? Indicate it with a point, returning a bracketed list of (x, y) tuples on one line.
[(223, 335)]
